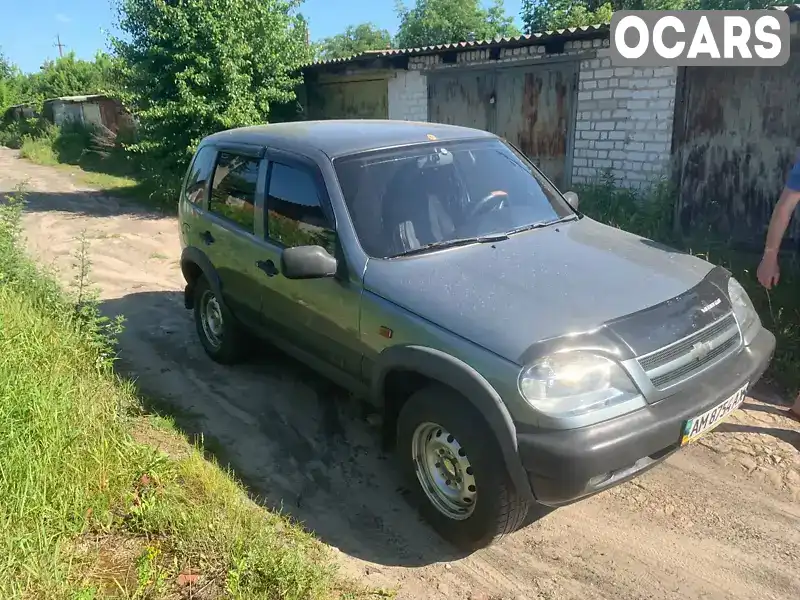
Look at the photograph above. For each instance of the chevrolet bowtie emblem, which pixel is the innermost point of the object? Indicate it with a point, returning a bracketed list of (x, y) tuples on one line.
[(701, 349)]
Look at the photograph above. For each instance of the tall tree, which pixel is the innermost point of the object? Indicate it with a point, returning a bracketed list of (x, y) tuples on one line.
[(355, 39), (69, 76), (198, 66), (544, 15), (432, 22)]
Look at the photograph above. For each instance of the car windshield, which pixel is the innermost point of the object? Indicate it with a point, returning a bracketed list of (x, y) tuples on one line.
[(421, 197)]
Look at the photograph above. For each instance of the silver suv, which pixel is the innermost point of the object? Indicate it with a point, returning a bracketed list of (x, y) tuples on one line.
[(520, 352)]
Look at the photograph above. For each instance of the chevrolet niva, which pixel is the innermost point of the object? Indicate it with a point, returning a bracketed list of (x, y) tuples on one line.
[(521, 353)]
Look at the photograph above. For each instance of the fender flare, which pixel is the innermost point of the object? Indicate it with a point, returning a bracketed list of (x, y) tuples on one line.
[(192, 255), (448, 370)]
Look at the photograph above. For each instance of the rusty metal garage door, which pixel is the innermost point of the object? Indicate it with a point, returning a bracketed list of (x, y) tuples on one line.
[(459, 98), (531, 106), (356, 99), (736, 131)]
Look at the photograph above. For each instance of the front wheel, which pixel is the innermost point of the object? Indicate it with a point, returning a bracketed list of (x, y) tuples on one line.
[(219, 333), (454, 467)]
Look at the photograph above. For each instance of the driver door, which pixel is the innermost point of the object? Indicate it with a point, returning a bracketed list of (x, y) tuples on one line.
[(318, 317)]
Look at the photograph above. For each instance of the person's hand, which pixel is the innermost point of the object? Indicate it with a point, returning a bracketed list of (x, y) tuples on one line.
[(768, 271)]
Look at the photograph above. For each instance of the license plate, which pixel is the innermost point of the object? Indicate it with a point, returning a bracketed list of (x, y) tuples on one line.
[(701, 424)]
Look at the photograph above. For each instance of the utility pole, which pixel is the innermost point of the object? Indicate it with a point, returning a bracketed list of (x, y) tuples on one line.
[(60, 46)]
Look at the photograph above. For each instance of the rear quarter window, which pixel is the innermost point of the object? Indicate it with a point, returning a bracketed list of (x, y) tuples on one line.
[(233, 190), (199, 174)]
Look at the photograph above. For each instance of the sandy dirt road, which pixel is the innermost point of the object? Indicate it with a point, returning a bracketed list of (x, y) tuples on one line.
[(719, 520)]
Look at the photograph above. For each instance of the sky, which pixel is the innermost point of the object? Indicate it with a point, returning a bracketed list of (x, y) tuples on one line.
[(29, 37)]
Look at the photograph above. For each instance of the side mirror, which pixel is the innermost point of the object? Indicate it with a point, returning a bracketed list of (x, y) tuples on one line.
[(307, 262), (572, 199)]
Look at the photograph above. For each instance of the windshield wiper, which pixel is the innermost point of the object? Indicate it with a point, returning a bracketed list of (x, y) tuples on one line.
[(541, 224), (480, 239)]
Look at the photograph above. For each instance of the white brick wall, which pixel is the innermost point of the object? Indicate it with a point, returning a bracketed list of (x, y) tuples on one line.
[(624, 121), (408, 96)]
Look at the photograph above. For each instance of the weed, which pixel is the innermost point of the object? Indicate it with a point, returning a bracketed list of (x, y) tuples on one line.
[(151, 575)]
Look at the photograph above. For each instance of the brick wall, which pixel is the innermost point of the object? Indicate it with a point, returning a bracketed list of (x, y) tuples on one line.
[(624, 121), (408, 96)]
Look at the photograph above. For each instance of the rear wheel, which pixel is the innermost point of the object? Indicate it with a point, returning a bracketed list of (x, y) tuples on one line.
[(219, 333), (453, 465)]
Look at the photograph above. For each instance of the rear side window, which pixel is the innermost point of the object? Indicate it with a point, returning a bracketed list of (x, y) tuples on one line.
[(199, 174), (233, 190), (295, 216)]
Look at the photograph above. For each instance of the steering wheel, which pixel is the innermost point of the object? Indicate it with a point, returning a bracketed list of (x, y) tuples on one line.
[(493, 201)]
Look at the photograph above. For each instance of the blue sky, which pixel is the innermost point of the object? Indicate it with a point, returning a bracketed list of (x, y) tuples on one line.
[(28, 31)]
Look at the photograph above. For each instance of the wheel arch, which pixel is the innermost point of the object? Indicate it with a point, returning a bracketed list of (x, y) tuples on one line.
[(194, 264), (402, 370)]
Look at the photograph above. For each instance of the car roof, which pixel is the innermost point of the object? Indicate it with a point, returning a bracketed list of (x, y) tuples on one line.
[(338, 137)]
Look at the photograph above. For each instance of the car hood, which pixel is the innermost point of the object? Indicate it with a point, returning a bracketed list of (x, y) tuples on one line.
[(536, 285)]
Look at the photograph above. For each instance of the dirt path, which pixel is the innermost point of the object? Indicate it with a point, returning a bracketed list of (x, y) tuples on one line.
[(720, 520)]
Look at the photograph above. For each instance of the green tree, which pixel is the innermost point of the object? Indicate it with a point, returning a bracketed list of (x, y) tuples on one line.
[(194, 67), (432, 22), (70, 76), (9, 84), (547, 15), (7, 68), (355, 39)]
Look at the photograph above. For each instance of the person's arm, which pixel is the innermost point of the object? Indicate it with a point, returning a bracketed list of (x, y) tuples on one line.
[(779, 222), (768, 271)]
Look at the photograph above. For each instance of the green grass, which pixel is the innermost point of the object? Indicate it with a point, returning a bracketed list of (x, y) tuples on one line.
[(90, 509), (96, 158), (38, 150)]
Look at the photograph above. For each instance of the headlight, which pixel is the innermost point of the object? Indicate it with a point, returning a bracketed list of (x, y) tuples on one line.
[(743, 309), (574, 383)]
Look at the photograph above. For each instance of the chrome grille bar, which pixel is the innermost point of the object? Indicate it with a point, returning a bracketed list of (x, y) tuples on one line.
[(686, 357)]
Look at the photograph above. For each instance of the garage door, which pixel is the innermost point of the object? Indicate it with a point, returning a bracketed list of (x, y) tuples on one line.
[(530, 106), (736, 135), (364, 99)]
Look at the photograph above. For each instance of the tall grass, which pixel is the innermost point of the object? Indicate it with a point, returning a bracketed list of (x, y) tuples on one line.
[(78, 493), (98, 156), (650, 214)]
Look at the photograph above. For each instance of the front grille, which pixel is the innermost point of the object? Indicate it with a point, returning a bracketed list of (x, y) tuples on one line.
[(676, 362)]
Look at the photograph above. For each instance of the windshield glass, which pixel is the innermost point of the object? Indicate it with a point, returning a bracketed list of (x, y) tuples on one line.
[(403, 199)]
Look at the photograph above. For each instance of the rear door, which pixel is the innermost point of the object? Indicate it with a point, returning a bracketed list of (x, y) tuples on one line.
[(229, 237), (317, 316)]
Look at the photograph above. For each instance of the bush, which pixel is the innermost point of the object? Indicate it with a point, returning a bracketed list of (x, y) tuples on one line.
[(13, 133), (647, 214), (39, 150)]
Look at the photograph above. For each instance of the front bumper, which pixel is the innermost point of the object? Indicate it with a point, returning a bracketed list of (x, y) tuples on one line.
[(568, 465)]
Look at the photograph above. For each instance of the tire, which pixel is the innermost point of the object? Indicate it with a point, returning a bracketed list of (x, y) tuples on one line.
[(225, 342), (496, 509)]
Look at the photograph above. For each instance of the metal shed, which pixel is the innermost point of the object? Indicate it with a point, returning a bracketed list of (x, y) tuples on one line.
[(97, 109)]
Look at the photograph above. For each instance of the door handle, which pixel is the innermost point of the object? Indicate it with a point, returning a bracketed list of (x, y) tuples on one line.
[(268, 267), (207, 238)]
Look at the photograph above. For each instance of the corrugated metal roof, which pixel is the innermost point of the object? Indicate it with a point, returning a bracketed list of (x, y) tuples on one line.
[(520, 40), (793, 10), (785, 7), (76, 98)]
